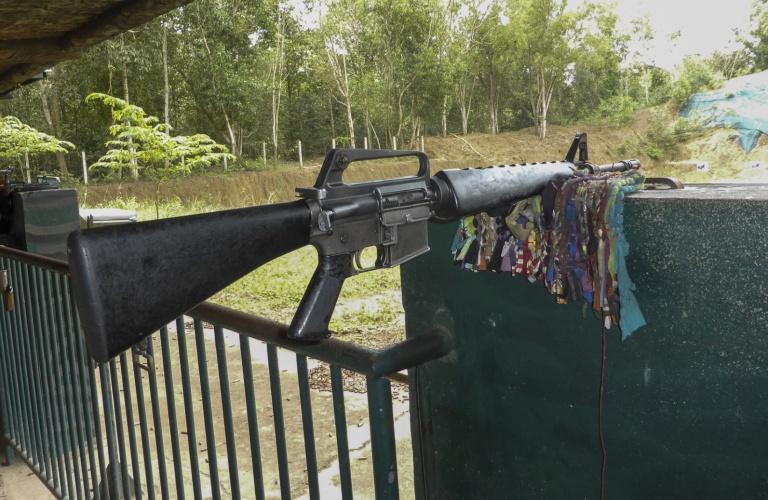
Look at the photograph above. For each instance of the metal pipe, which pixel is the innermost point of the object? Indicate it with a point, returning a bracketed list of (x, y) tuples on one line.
[(112, 469), (171, 403), (189, 412), (342, 443), (382, 439), (253, 424), (226, 406), (121, 449), (411, 352), (34, 259), (307, 424), (62, 382), (146, 452), (71, 379), (154, 400), (210, 439), (32, 361), (277, 415), (126, 384), (84, 388)]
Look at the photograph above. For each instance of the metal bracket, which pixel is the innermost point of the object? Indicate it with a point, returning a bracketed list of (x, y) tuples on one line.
[(663, 183)]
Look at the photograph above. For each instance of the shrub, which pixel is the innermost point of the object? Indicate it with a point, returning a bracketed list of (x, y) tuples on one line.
[(616, 110), (663, 140), (696, 75)]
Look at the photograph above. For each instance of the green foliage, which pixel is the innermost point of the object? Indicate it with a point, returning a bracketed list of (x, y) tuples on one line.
[(731, 64), (615, 110), (141, 144), (369, 303), (663, 140), (597, 72), (696, 75), (420, 67), (757, 44), (18, 138)]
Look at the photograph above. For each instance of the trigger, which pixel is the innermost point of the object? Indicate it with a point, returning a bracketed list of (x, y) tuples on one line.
[(358, 265)]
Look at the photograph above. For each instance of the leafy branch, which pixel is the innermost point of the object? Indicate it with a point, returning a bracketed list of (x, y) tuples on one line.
[(140, 141)]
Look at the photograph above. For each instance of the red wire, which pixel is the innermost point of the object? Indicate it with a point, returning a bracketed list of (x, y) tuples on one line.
[(600, 407)]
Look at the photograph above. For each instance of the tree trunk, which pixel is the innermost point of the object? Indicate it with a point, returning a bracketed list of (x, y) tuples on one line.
[(541, 97), (166, 87), (465, 94), (28, 170), (341, 77), (46, 108), (277, 79), (493, 104), (109, 69), (390, 84), (645, 81), (333, 121), (231, 136), (53, 115), (445, 115), (166, 83), (134, 168), (348, 98), (367, 124)]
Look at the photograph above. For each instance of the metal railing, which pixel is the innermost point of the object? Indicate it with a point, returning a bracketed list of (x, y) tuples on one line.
[(88, 431)]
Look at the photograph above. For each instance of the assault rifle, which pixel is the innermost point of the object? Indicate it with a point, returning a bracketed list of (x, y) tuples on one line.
[(132, 279)]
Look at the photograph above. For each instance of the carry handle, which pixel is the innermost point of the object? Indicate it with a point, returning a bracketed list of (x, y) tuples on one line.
[(338, 160)]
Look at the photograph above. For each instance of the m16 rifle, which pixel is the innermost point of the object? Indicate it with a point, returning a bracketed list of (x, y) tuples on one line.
[(131, 280)]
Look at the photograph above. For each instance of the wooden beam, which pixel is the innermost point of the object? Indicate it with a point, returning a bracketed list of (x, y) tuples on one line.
[(34, 55), (29, 51), (118, 19)]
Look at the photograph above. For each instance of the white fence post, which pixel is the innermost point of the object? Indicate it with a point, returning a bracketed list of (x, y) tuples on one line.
[(85, 170), (422, 143), (225, 163), (264, 152), (301, 158), (365, 142), (333, 143), (394, 142)]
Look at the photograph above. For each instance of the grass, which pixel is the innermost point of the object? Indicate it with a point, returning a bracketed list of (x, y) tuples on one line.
[(369, 310)]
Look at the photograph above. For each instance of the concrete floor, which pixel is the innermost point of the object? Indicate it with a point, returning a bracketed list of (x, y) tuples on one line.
[(18, 482)]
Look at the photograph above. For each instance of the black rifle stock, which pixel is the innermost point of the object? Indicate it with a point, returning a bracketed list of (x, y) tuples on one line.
[(126, 279), (130, 280)]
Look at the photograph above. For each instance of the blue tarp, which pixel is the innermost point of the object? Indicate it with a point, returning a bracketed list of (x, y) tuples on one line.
[(740, 104)]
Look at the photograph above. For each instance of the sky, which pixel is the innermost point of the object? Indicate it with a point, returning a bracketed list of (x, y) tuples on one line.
[(704, 25)]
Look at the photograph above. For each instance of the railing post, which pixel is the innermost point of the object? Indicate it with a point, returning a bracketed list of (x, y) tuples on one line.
[(56, 411), (382, 438), (4, 421)]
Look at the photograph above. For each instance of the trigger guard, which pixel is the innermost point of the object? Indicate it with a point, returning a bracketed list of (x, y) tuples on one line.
[(358, 267)]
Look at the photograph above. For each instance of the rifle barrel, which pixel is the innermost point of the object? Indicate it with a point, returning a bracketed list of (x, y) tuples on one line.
[(467, 191)]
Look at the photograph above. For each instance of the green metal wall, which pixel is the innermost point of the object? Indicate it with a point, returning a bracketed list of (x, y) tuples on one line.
[(512, 413)]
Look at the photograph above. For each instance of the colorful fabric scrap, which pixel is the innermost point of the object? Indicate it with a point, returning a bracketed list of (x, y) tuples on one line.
[(570, 237)]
